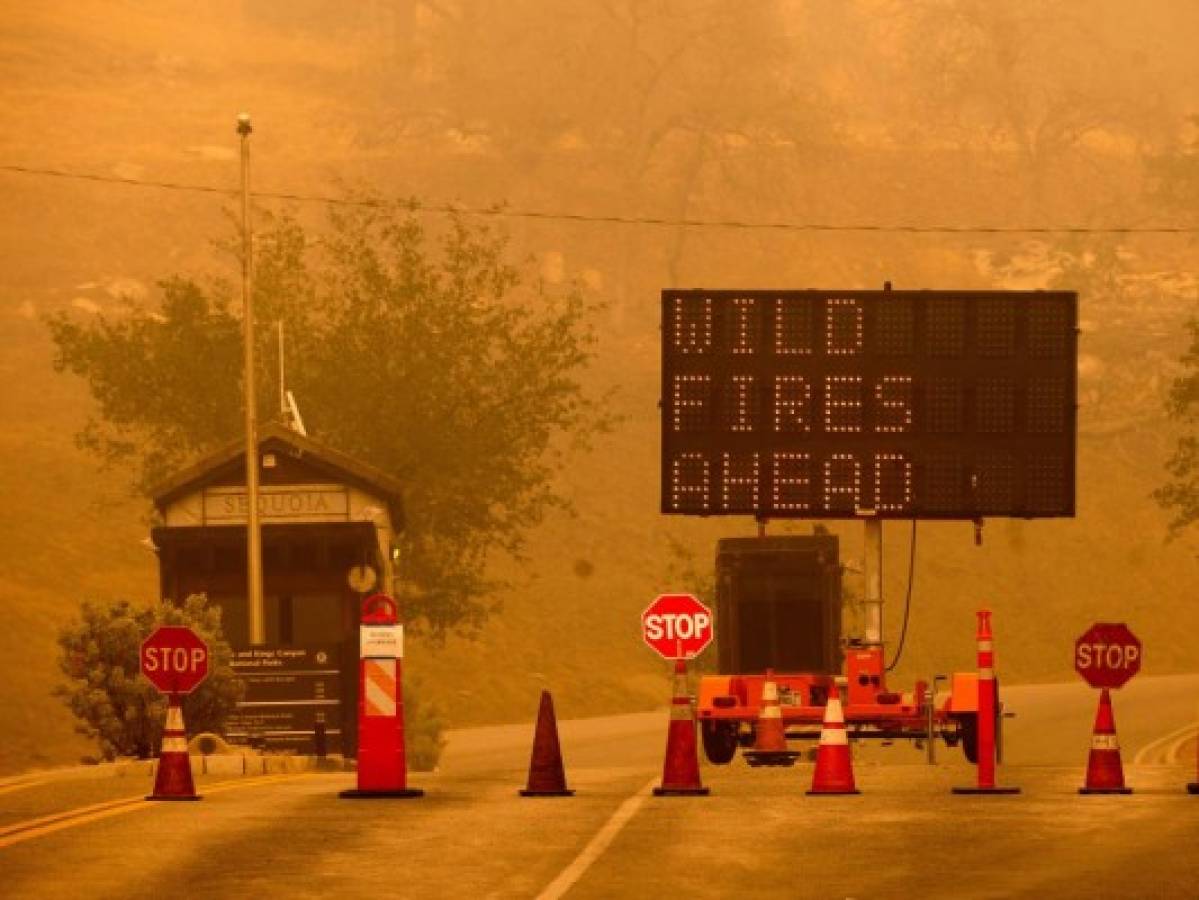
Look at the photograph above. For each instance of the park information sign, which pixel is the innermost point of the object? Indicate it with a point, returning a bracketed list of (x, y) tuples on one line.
[(288, 692), (895, 404)]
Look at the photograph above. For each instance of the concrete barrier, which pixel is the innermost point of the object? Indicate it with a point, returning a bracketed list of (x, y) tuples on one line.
[(249, 764)]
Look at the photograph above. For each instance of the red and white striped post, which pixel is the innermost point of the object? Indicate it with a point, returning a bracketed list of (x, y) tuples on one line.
[(986, 713), (382, 765)]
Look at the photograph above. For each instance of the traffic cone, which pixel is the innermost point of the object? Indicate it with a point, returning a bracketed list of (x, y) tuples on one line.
[(680, 773), (1105, 774), (547, 778), (834, 768), (173, 777), (770, 735)]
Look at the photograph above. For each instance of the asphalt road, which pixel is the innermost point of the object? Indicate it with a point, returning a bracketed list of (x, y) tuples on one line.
[(757, 835)]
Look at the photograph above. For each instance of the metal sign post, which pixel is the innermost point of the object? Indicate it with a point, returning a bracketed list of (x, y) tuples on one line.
[(254, 606), (872, 567)]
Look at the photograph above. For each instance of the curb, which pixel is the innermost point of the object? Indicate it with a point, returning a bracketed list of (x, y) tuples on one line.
[(256, 765)]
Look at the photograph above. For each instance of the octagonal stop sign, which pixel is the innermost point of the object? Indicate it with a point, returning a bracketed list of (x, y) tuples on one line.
[(677, 626), (1107, 655), (174, 659)]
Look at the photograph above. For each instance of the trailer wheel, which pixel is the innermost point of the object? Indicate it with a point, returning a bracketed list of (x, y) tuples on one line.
[(969, 726), (720, 741)]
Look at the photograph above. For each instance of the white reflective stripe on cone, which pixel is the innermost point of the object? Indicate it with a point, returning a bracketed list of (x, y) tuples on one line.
[(770, 692), (770, 712), (832, 712), (174, 745), (1104, 742), (987, 674), (174, 718), (834, 737)]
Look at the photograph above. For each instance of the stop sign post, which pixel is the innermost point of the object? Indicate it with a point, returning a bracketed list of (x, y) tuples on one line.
[(677, 626), (1107, 655), (174, 659)]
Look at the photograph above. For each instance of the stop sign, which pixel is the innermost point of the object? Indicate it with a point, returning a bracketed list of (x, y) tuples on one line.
[(677, 626), (174, 659), (1107, 655)]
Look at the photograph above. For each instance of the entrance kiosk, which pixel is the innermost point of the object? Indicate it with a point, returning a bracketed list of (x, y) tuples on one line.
[(327, 527)]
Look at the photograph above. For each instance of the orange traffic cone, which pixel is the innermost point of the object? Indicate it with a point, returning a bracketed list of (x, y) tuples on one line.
[(770, 735), (173, 777), (1105, 774), (547, 778), (834, 768), (680, 773)]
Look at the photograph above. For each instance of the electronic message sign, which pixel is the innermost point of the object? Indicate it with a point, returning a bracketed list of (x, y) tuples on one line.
[(895, 404)]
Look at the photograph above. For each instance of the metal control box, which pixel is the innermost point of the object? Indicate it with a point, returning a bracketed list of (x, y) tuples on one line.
[(778, 604)]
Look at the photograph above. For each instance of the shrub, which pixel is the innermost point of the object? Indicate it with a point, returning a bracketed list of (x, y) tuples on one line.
[(117, 707), (423, 741)]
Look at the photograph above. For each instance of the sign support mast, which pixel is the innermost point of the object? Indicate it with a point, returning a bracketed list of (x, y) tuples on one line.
[(872, 568), (254, 605)]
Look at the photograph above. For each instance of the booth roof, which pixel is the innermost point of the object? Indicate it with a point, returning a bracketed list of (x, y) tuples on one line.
[(276, 438)]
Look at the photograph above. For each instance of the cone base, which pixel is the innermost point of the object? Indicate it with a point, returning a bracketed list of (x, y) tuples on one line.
[(1193, 787), (681, 792), (832, 793), (771, 757), (566, 792), (401, 794), (986, 790), (168, 797), (1112, 790)]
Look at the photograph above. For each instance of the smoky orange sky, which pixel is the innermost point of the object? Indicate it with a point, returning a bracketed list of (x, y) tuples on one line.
[(631, 146)]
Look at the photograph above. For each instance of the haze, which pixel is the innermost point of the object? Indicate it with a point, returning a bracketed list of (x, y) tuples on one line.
[(618, 123)]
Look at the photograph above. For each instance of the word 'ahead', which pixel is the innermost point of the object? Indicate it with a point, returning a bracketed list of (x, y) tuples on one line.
[(677, 626)]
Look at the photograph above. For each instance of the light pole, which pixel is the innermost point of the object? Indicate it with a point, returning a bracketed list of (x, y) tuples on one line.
[(254, 607)]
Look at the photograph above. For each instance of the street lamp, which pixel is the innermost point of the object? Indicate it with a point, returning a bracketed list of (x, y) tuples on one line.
[(255, 610)]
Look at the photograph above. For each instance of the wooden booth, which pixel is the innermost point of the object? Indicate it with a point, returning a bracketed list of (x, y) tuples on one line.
[(327, 524)]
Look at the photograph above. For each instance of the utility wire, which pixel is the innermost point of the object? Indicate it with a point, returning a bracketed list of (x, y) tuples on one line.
[(502, 212)]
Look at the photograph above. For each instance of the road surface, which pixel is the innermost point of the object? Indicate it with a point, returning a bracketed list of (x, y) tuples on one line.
[(757, 835)]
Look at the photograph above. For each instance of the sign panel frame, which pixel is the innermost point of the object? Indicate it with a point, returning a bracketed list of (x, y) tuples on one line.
[(819, 404)]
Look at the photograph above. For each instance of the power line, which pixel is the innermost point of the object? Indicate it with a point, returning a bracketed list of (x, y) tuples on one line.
[(623, 220)]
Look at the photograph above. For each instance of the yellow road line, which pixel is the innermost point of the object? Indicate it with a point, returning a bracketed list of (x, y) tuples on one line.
[(31, 828), (1147, 753), (21, 785), (1175, 752)]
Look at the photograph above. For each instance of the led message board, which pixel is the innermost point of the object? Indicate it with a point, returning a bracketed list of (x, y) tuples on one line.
[(896, 404)]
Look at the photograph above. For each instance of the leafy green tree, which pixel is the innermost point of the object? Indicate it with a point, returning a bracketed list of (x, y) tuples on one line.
[(689, 574), (1180, 493), (1174, 184), (118, 708), (421, 350)]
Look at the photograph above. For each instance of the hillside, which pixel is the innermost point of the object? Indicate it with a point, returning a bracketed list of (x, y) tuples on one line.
[(149, 92)]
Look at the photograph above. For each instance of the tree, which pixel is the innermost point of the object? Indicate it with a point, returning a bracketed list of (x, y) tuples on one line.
[(421, 351), (668, 109), (118, 708), (1174, 184)]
